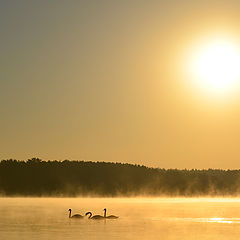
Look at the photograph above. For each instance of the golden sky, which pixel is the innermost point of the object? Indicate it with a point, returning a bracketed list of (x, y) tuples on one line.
[(107, 80)]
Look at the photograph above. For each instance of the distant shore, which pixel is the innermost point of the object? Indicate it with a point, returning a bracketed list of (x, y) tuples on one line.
[(36, 178)]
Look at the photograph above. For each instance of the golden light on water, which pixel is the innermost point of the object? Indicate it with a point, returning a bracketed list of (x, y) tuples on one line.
[(214, 67), (220, 220)]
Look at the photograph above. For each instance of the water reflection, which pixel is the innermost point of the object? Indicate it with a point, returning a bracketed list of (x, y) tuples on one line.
[(211, 220), (202, 220), (220, 220), (48, 218)]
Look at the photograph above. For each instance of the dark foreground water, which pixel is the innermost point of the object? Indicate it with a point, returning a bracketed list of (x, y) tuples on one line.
[(140, 218)]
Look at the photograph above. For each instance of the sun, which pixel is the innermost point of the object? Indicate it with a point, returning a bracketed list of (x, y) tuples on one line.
[(215, 66)]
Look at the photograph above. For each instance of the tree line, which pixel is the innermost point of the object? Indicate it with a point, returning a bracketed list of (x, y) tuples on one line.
[(85, 178)]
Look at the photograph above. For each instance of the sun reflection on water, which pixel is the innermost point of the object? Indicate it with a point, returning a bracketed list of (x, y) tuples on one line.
[(219, 220)]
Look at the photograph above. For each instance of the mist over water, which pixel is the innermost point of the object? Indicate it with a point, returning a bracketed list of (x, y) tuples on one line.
[(140, 218)]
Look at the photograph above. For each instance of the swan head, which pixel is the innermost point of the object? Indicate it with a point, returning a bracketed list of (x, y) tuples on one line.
[(104, 209), (69, 209)]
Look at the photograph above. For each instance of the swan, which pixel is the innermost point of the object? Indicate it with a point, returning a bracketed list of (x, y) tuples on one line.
[(109, 217), (75, 215), (95, 217)]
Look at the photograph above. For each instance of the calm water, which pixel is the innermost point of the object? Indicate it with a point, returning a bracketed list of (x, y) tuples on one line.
[(142, 218)]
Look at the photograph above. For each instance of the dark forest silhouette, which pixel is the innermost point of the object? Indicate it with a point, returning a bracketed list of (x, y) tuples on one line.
[(72, 178)]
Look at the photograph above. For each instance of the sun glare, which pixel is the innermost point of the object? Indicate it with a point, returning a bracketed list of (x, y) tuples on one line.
[(215, 67)]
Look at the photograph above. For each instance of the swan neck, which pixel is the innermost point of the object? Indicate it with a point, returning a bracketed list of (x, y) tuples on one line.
[(70, 212), (90, 215), (105, 213)]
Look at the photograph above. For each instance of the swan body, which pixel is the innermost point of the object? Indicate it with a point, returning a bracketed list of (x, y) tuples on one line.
[(75, 215), (98, 217), (110, 216), (95, 217)]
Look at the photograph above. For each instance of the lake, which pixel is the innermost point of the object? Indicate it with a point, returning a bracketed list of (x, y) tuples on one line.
[(139, 218)]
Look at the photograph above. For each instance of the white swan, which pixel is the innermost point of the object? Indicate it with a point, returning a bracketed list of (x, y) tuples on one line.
[(110, 216), (75, 215), (95, 217)]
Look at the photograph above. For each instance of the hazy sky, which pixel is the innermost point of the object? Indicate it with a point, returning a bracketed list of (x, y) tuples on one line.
[(100, 80)]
